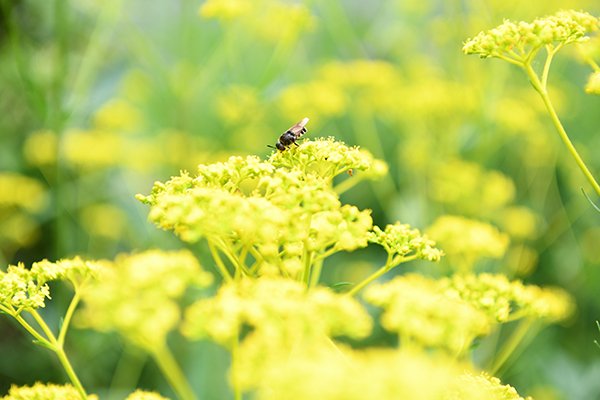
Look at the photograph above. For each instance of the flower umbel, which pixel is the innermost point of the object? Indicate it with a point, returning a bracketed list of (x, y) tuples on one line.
[(517, 41)]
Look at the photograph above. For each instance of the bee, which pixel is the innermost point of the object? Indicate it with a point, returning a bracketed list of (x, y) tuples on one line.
[(291, 135)]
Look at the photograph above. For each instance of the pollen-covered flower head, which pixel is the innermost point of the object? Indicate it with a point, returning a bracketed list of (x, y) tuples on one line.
[(516, 40), (137, 295)]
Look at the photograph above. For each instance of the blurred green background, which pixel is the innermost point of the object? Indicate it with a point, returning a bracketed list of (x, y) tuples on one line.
[(98, 99)]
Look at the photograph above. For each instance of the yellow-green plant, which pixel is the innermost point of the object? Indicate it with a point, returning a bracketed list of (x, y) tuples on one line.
[(520, 43), (270, 225)]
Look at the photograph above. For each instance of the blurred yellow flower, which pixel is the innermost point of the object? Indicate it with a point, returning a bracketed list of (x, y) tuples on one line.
[(593, 84), (469, 189), (104, 220), (270, 20), (239, 104), (92, 149), (137, 295), (519, 222), (225, 9), (117, 115), (20, 191), (421, 313), (320, 99), (41, 148), (45, 391), (466, 241)]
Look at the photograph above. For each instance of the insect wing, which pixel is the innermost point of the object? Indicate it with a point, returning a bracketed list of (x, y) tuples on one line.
[(299, 129)]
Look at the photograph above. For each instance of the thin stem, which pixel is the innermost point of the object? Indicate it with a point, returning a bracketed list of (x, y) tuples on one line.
[(538, 86), (226, 249), (219, 262), (316, 272), (307, 256), (551, 52), (32, 331), (508, 348), (347, 184), (371, 277), (60, 353), (169, 367), (67, 319)]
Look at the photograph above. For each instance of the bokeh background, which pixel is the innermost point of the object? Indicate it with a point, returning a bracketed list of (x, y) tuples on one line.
[(98, 99)]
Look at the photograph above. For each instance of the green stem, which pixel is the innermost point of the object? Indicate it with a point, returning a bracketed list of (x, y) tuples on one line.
[(32, 331), (371, 277), (541, 89), (167, 364), (307, 256), (67, 319), (316, 272), (60, 353), (508, 348), (219, 262), (347, 184)]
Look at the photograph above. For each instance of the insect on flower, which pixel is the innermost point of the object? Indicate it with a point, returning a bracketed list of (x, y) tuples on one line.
[(291, 135)]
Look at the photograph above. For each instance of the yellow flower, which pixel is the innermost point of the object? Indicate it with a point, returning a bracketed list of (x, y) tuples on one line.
[(516, 40), (421, 312), (117, 115), (41, 148), (269, 20), (505, 300), (593, 84), (468, 188), (137, 295), (104, 220), (45, 391), (466, 241), (92, 149), (519, 222), (20, 191)]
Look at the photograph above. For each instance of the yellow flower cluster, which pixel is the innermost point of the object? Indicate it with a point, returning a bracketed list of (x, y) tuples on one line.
[(504, 300), (518, 40), (451, 312), (466, 241), (329, 158), (419, 312), (484, 386), (278, 311), (41, 391), (400, 240), (27, 289), (341, 373), (277, 210), (273, 319), (137, 295)]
